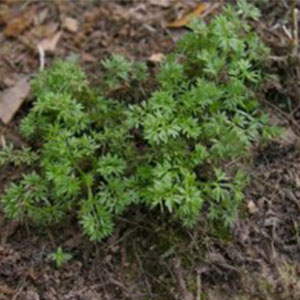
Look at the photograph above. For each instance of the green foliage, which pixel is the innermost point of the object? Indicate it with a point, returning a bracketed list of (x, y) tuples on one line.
[(122, 72), (98, 156), (60, 257), (17, 157), (61, 78)]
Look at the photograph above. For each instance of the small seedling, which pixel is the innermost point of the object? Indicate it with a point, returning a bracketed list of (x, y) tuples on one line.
[(60, 257)]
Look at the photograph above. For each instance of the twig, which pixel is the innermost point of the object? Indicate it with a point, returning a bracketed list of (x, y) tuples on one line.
[(282, 113), (210, 10), (122, 238), (186, 294), (51, 238), (294, 110), (293, 198), (284, 4), (119, 284), (135, 224), (3, 141), (278, 58), (143, 272), (20, 289), (41, 56), (161, 283), (199, 286), (287, 32), (16, 295), (295, 39)]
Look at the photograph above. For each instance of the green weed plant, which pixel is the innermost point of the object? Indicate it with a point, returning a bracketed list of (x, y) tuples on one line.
[(96, 157)]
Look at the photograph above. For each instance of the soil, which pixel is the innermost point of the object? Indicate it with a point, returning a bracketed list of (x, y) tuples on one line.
[(147, 258)]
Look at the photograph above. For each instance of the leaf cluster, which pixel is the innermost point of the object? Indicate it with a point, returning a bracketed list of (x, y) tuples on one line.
[(59, 257), (120, 72)]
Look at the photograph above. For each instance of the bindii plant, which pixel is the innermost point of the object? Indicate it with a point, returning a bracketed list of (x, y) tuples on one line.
[(121, 72), (59, 257), (95, 157)]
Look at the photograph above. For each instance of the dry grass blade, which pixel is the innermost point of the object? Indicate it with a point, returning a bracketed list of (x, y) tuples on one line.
[(202, 10)]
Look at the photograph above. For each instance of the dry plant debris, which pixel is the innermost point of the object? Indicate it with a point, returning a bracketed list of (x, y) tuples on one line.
[(202, 10), (12, 99)]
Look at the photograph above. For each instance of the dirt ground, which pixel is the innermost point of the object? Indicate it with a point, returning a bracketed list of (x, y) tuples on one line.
[(147, 258)]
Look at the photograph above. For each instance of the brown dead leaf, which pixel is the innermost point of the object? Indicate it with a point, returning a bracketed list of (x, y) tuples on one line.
[(88, 57), (61, 6), (217, 259), (288, 136), (203, 9), (11, 99), (8, 255), (252, 208), (10, 80), (30, 295), (19, 24), (6, 290), (5, 14), (49, 44), (74, 241), (70, 24), (177, 34), (156, 57), (41, 17), (43, 31)]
